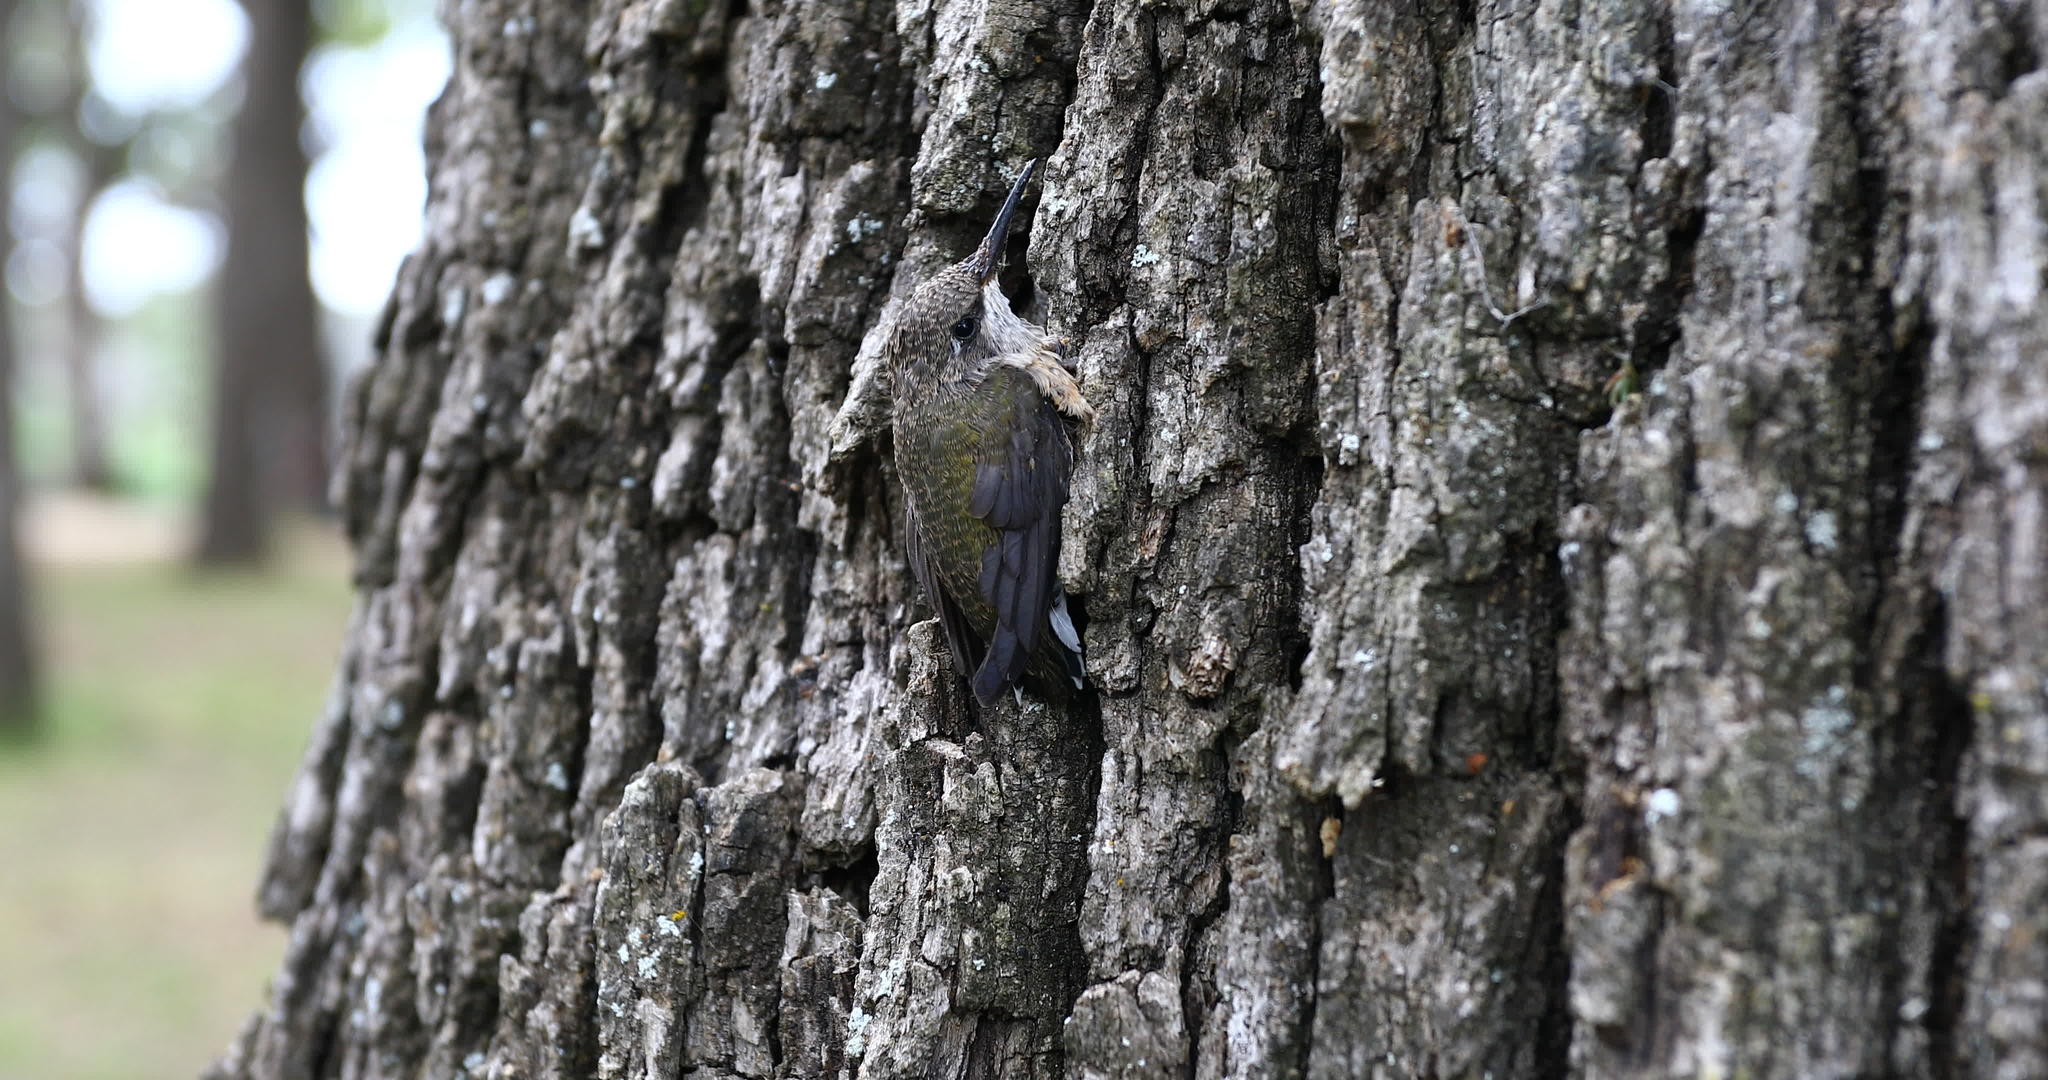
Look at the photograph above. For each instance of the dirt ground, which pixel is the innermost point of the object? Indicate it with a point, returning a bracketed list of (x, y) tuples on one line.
[(64, 529)]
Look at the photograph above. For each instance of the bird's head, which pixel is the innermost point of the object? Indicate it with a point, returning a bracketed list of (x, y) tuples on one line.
[(958, 319)]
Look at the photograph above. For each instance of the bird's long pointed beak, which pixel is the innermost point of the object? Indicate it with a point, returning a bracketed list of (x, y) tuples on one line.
[(989, 256)]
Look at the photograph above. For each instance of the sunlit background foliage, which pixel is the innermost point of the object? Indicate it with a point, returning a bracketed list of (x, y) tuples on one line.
[(149, 90)]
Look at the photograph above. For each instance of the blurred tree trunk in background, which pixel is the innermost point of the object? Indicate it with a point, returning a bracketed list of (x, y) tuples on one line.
[(99, 165), (270, 417), (18, 678), (89, 468), (17, 652), (1563, 550)]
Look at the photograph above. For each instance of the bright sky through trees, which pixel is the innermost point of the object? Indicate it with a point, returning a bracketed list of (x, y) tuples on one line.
[(366, 187)]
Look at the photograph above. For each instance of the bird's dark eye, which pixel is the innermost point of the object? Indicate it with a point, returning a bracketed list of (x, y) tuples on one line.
[(965, 328)]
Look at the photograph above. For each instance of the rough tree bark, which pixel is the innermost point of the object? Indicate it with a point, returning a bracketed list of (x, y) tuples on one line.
[(269, 385), (1562, 552)]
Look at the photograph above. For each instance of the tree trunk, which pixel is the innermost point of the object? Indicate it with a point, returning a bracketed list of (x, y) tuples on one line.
[(1562, 554), (90, 469), (269, 412), (18, 683), (89, 465), (18, 667)]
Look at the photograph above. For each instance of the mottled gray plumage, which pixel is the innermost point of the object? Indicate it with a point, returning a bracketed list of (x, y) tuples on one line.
[(983, 414)]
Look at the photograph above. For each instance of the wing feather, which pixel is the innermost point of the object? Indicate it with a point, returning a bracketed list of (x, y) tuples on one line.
[(959, 637), (1020, 484)]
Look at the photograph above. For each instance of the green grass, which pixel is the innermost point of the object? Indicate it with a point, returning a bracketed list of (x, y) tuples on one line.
[(132, 830)]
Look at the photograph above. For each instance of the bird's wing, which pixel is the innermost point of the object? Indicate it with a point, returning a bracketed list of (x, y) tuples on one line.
[(1021, 470), (959, 638)]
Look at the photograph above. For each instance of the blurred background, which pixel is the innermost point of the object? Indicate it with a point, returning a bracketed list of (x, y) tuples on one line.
[(205, 204)]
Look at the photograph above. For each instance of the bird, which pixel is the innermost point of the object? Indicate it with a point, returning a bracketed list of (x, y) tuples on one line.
[(986, 415)]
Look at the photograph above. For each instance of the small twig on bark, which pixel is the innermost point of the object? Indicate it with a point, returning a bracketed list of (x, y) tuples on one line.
[(1505, 318)]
